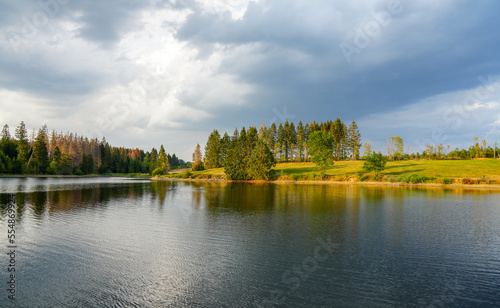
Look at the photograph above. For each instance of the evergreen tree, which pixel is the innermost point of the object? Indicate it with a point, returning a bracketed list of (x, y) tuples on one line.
[(251, 139), (22, 143), (260, 163), (213, 157), (5, 163), (281, 140), (41, 155), (354, 140), (338, 137), (291, 137), (7, 145), (225, 145), (236, 135), (301, 140), (235, 164), (262, 131), (153, 160), (162, 160), (270, 138), (5, 132)]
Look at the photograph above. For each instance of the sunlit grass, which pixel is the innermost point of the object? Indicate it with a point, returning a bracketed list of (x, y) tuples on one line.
[(438, 169)]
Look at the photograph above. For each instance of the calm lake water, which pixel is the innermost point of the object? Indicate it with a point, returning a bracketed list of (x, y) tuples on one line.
[(114, 242)]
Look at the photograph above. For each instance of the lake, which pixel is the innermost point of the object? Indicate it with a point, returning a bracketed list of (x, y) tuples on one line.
[(118, 242)]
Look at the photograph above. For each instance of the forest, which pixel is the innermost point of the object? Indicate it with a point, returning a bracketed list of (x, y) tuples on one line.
[(70, 154), (251, 154)]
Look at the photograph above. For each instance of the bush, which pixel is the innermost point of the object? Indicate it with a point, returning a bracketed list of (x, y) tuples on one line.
[(186, 174), (198, 167), (415, 179), (364, 178), (78, 172), (447, 181), (158, 171)]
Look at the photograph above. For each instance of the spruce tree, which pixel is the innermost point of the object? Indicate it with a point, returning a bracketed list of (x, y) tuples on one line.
[(22, 143), (41, 154), (213, 151), (261, 162), (354, 140)]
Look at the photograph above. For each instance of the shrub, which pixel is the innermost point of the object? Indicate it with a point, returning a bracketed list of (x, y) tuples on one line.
[(447, 181), (158, 171), (78, 172), (186, 174), (415, 179)]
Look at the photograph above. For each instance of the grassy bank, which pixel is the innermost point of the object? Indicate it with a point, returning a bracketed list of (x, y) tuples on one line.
[(478, 171)]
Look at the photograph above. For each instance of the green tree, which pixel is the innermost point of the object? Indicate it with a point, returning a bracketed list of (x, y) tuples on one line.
[(397, 147), (280, 141), (320, 147), (301, 140), (213, 157), (22, 143), (7, 145), (41, 154), (225, 145), (162, 165), (234, 167), (5, 163), (354, 140), (374, 162), (271, 137), (261, 162), (338, 137), (153, 160)]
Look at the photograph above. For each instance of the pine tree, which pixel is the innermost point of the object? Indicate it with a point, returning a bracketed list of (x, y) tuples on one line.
[(225, 145), (338, 137), (163, 165), (7, 145), (213, 157), (354, 140), (262, 131), (260, 163), (301, 140), (281, 140), (41, 154), (5, 132), (270, 138), (291, 137), (22, 143), (234, 167), (153, 160)]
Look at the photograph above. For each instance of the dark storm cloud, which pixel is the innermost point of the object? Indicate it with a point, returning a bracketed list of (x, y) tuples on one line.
[(436, 52), (106, 21)]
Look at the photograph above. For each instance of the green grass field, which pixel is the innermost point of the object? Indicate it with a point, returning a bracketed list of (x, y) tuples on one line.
[(433, 171)]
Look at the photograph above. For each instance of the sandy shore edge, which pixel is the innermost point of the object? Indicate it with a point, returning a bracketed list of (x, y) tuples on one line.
[(423, 185)]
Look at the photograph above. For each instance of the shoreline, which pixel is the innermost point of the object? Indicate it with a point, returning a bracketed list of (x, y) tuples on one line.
[(418, 185), (6, 176)]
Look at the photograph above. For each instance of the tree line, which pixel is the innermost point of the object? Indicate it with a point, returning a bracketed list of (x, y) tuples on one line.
[(250, 154), (479, 149), (68, 153)]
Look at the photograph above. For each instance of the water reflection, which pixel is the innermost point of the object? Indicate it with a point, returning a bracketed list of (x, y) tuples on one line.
[(209, 244)]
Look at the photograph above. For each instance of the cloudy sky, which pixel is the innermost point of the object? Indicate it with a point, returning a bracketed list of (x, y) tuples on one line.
[(151, 72)]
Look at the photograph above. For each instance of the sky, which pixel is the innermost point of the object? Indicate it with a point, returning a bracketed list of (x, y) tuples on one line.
[(152, 72)]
